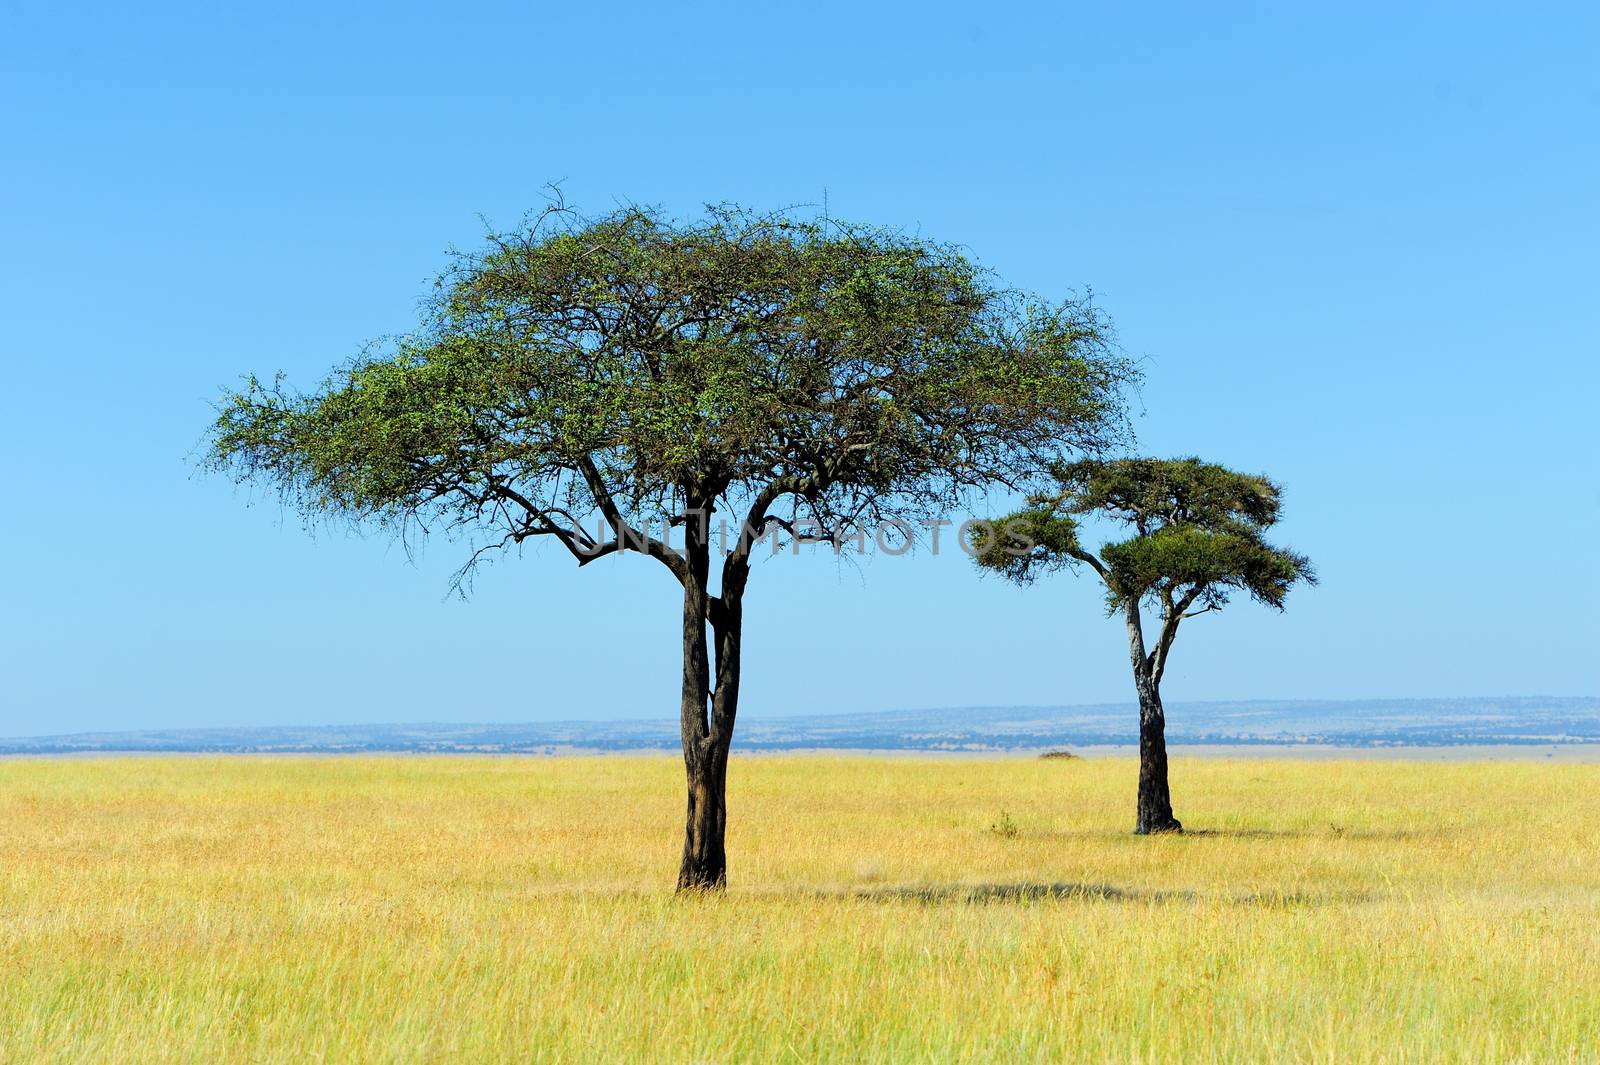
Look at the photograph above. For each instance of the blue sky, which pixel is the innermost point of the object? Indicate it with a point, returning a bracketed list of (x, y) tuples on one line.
[(1356, 248)]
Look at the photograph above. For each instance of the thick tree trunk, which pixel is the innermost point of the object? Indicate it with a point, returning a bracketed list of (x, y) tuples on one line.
[(1155, 801), (705, 861), (706, 740)]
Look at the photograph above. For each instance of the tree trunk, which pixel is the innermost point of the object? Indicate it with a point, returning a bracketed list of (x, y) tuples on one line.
[(706, 740), (1155, 801), (705, 861)]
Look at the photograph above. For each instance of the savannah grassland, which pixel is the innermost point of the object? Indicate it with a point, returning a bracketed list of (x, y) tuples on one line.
[(433, 909)]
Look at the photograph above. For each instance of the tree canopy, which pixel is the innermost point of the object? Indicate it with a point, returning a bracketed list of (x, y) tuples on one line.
[(640, 367), (1198, 533)]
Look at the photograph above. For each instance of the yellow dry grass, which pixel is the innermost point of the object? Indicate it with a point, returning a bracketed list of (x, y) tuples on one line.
[(445, 909)]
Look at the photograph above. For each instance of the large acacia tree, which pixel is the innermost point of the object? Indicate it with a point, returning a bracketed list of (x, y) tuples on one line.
[(684, 391), (1197, 535)]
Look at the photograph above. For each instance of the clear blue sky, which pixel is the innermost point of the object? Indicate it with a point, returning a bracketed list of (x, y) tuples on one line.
[(1357, 248)]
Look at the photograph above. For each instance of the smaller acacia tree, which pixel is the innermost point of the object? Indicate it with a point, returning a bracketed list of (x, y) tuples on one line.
[(1198, 536)]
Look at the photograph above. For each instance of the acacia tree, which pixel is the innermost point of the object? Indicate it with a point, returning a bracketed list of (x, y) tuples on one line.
[(1197, 537), (588, 381)]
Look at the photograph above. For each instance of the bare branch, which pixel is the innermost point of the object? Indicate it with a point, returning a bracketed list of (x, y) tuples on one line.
[(626, 535)]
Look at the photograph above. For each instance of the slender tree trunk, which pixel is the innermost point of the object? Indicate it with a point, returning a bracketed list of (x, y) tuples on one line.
[(1155, 801)]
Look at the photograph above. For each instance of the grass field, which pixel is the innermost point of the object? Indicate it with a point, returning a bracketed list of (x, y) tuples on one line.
[(432, 909)]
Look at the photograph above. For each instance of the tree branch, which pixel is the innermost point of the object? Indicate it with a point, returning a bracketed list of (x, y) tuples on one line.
[(626, 535), (736, 568), (577, 542), (1093, 563), (1172, 613)]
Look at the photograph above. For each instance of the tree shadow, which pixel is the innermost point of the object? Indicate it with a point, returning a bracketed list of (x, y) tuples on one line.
[(1325, 832), (1319, 832), (981, 894), (1009, 892)]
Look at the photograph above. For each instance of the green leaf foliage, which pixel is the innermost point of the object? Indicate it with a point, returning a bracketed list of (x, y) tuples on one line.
[(1198, 533), (642, 365), (1026, 544)]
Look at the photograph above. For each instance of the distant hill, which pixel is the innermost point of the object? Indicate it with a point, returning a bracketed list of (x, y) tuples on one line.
[(1371, 723)]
